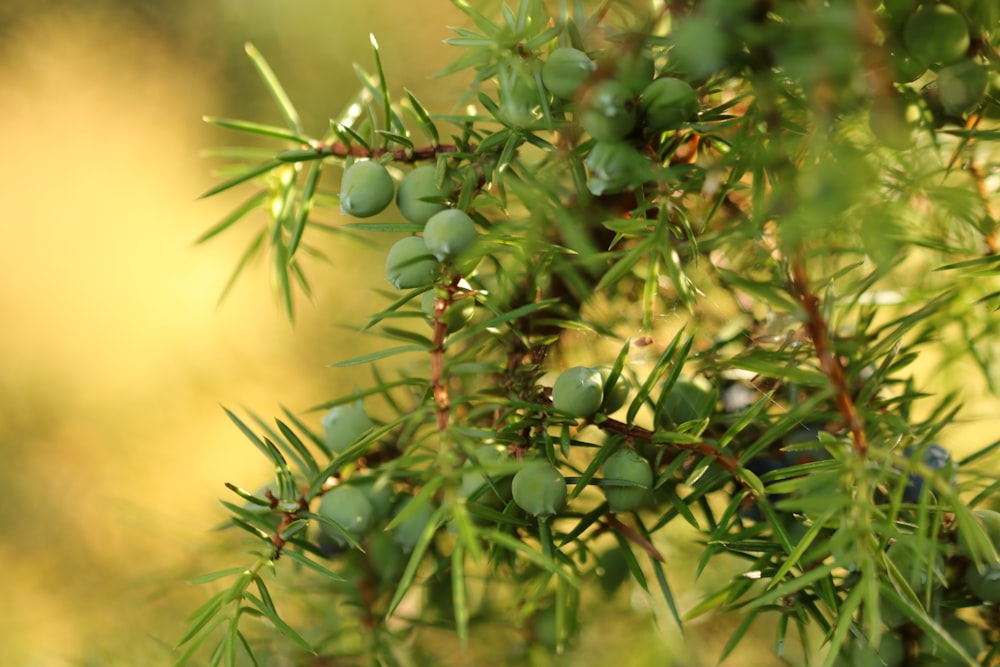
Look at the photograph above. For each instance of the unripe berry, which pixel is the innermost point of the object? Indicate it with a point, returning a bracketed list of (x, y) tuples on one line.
[(615, 166), (686, 401), (967, 636), (578, 391), (614, 396), (627, 466), (410, 264), (889, 653), (407, 532), (366, 189), (343, 425), (565, 70), (634, 68), (667, 103), (539, 489), (962, 86), (380, 494), (984, 580), (417, 186), (449, 233), (473, 482), (990, 521), (348, 507), (386, 557), (608, 111), (936, 33)]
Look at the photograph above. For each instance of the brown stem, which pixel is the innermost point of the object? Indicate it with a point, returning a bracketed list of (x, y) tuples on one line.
[(830, 364), (416, 154), (439, 388), (639, 433)]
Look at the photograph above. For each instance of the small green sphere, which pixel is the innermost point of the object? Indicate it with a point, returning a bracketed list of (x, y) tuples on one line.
[(343, 425), (565, 71), (407, 532), (366, 189), (890, 652), (347, 506), (936, 34), (614, 396), (990, 522), (687, 401), (415, 188), (474, 481), (410, 264), (667, 103), (615, 166), (539, 489), (984, 581), (386, 557), (627, 466), (578, 391), (962, 86), (608, 111), (450, 233), (634, 68)]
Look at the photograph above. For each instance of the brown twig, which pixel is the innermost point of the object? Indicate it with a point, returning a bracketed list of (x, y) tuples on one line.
[(830, 364), (415, 154), (287, 518), (731, 464), (439, 388)]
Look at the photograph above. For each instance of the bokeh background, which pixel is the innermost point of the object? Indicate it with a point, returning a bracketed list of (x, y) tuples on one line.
[(114, 355)]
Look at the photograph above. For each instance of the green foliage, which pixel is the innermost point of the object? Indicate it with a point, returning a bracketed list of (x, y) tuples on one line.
[(744, 223)]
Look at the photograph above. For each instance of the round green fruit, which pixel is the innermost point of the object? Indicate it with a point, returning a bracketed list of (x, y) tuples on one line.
[(476, 482), (967, 636), (380, 494), (890, 652), (614, 396), (539, 489), (366, 189), (614, 166), (627, 466), (687, 401), (962, 86), (984, 581), (905, 67), (608, 111), (349, 507), (667, 103), (343, 425), (990, 522), (416, 188), (565, 71), (410, 264), (897, 11), (634, 68), (407, 532), (936, 34), (449, 233), (455, 316), (578, 391), (519, 100), (386, 557)]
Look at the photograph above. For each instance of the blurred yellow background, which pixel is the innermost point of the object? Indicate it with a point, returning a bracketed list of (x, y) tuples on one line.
[(113, 356)]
